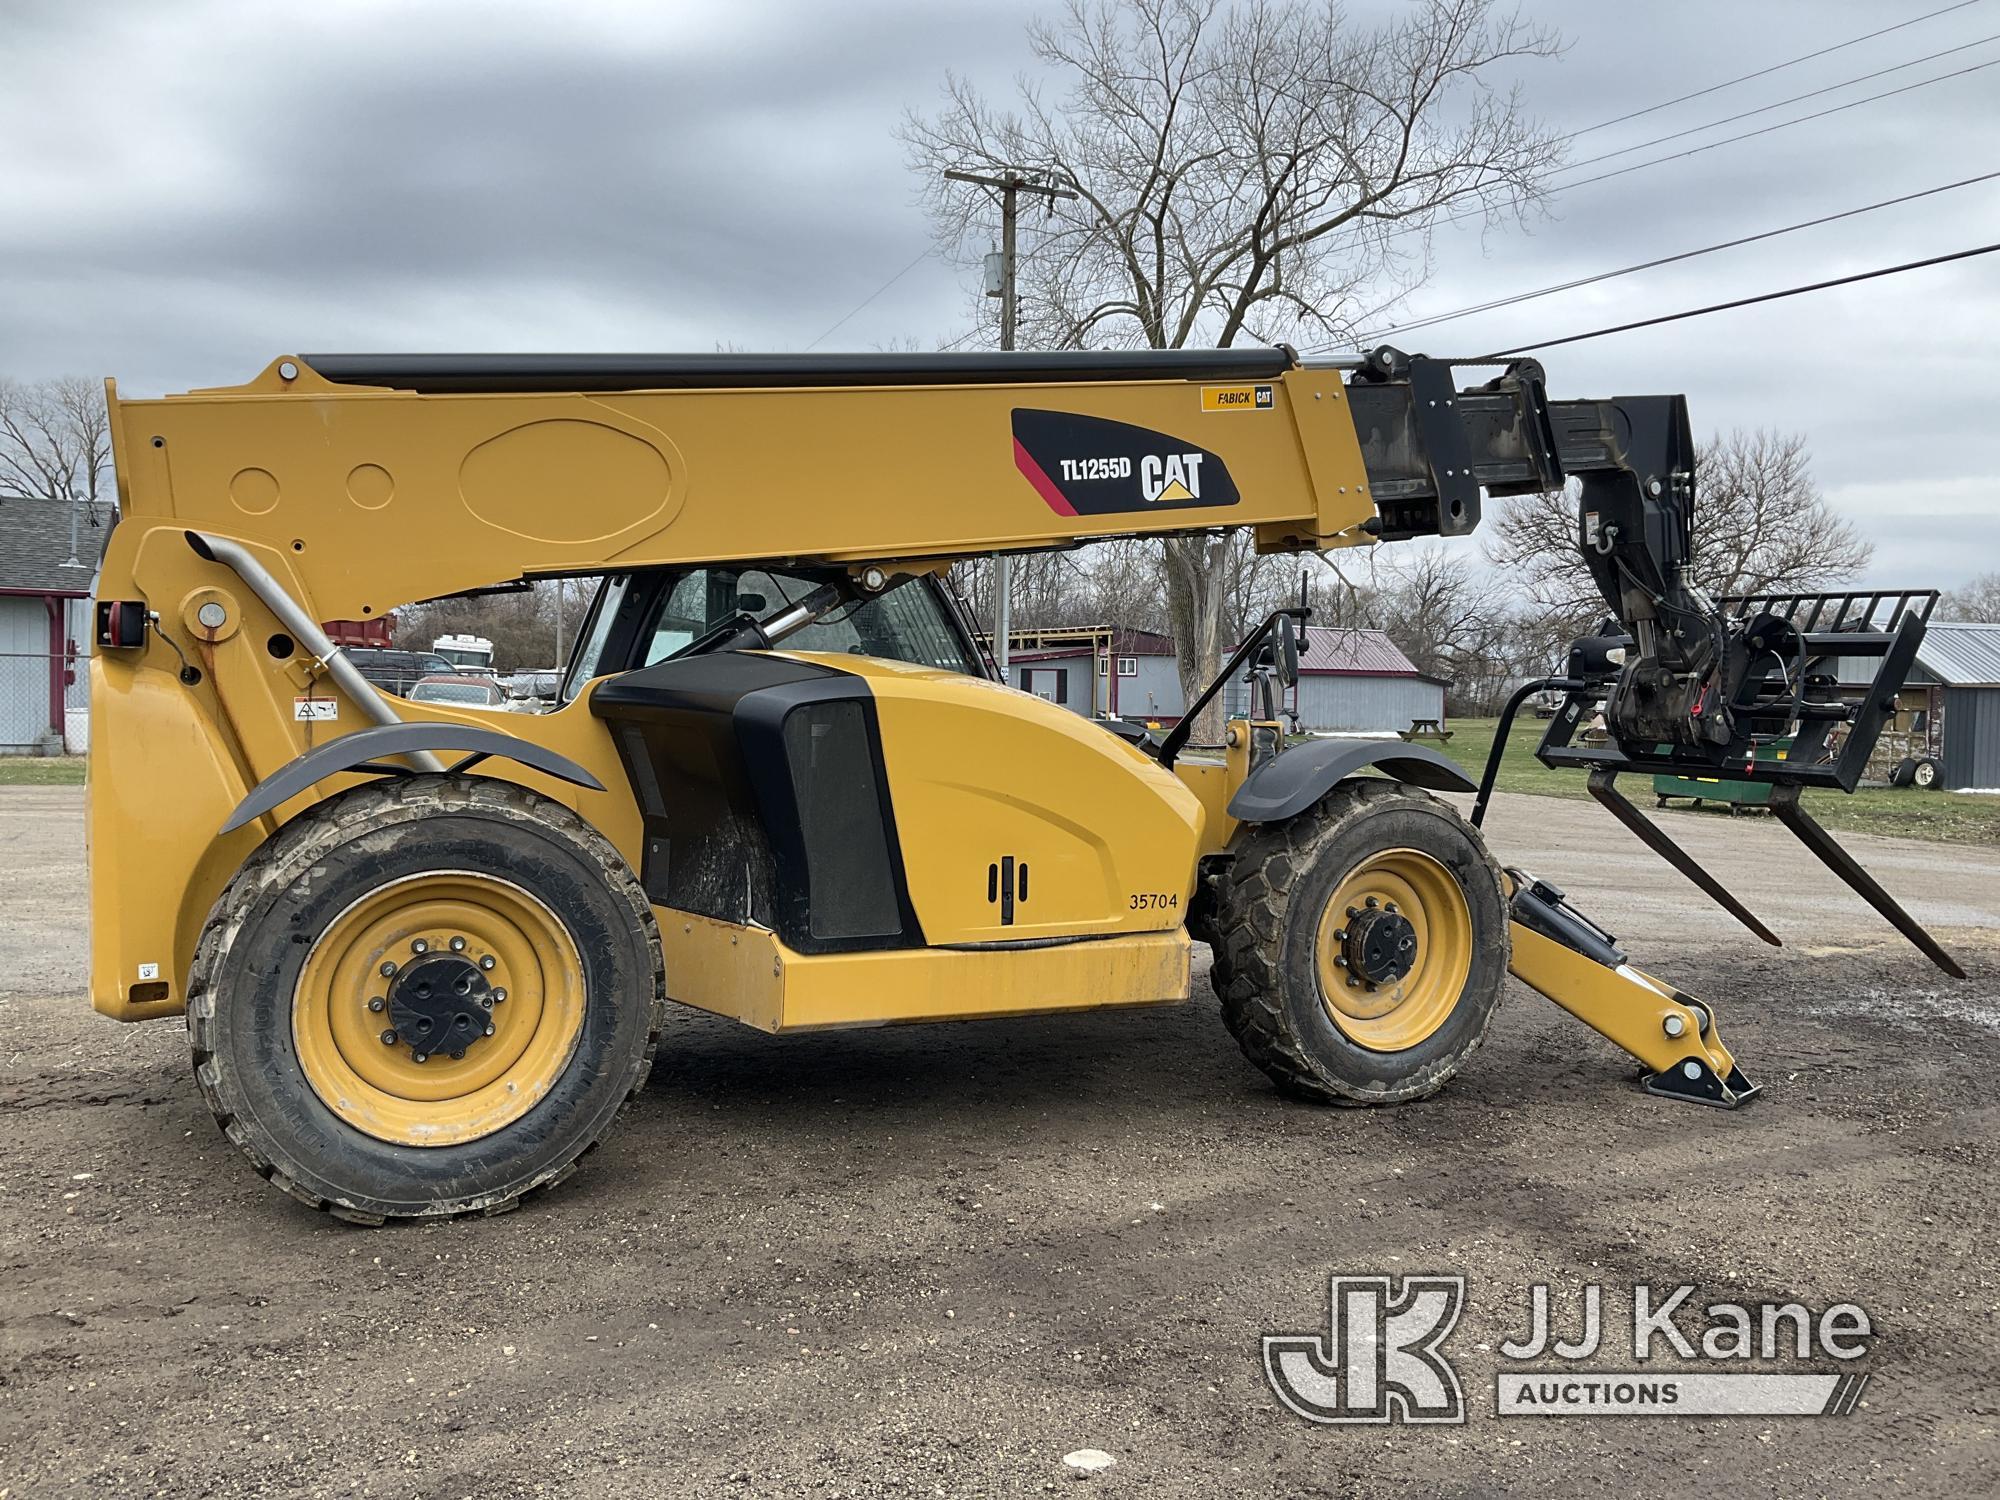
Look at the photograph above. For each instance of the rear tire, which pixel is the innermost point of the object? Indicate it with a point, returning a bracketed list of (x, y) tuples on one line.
[(1925, 774), (1275, 916), (470, 879)]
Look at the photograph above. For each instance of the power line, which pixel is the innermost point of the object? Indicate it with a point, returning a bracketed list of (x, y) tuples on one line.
[(1748, 135), (1667, 260), (1716, 307), (1640, 166), (921, 257), (1765, 72), (1765, 109)]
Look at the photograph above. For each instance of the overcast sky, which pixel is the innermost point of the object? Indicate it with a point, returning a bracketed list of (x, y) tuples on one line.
[(192, 188)]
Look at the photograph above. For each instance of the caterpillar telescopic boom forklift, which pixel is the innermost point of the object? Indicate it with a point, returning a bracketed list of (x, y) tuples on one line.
[(424, 953)]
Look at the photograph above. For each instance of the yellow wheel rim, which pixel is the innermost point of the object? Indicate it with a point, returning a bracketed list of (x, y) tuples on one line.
[(514, 952), (1371, 1008)]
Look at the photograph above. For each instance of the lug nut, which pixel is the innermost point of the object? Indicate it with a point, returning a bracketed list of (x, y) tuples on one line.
[(489, 1028), (498, 996), (420, 1057), (377, 1003), (1340, 960), (458, 1054), (1353, 984), (458, 945), (1372, 903), (418, 945), (1673, 1025), (1340, 936), (388, 1038), (1390, 907), (1353, 911), (388, 970), (487, 962)]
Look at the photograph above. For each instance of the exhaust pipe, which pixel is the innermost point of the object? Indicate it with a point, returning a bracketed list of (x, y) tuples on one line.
[(305, 630)]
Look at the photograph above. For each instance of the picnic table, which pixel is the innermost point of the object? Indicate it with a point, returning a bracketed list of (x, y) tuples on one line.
[(1425, 729)]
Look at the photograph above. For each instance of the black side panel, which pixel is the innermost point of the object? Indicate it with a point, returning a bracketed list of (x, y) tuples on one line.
[(440, 374), (761, 785), (850, 881)]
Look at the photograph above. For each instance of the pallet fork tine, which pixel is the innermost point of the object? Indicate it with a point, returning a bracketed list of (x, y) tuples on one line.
[(1607, 794), (1791, 812)]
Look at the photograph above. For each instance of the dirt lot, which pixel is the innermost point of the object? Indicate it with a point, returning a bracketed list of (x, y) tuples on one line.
[(934, 1260)]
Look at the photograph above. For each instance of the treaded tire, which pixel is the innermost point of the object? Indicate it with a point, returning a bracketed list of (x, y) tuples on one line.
[(1267, 909), (255, 943)]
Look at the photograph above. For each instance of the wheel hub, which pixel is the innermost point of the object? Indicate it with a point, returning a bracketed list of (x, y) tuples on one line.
[(1380, 946), (440, 1002)]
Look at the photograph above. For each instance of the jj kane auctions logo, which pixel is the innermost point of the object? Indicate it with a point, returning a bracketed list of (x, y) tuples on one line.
[(1382, 1357)]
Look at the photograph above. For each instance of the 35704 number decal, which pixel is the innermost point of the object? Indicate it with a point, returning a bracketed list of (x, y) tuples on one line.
[(1155, 901)]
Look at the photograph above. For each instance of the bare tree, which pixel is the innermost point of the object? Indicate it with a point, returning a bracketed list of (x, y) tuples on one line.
[(1346, 593), (1252, 169), (55, 440), (1049, 588), (1450, 616), (1760, 523), (1978, 601)]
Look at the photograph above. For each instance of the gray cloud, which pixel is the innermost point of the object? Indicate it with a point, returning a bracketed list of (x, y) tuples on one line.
[(193, 189)]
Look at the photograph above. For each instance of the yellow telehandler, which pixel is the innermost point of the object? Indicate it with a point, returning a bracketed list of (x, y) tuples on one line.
[(425, 952)]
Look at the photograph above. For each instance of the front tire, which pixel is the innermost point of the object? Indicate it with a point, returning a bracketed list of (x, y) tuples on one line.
[(427, 996), (1363, 945)]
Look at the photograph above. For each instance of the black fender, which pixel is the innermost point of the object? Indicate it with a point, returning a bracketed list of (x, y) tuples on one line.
[(365, 748), (1292, 781)]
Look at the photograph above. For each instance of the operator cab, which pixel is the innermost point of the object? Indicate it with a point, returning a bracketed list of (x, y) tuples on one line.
[(639, 618)]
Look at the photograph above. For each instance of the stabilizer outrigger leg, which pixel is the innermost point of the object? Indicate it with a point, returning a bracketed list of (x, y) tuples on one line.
[(1563, 955)]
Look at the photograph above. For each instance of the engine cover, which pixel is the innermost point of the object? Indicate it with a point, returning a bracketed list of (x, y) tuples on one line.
[(853, 803)]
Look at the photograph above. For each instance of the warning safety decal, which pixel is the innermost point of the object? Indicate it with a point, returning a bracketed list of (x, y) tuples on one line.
[(1089, 466)]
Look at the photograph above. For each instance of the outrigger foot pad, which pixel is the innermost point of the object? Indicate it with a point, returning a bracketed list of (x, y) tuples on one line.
[(1698, 1083)]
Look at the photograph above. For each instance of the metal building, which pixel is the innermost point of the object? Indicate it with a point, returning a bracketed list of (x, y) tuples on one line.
[(1949, 708), (1963, 661), (1101, 671), (1355, 681)]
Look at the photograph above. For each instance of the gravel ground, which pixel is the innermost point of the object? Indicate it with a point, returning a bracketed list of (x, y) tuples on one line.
[(935, 1260)]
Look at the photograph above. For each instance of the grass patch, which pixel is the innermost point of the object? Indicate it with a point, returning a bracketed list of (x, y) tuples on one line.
[(41, 770), (1900, 812)]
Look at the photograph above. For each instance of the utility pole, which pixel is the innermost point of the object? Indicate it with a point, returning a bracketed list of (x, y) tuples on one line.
[(1010, 184)]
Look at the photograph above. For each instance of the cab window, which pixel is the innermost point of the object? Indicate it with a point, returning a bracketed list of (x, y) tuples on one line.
[(658, 616)]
